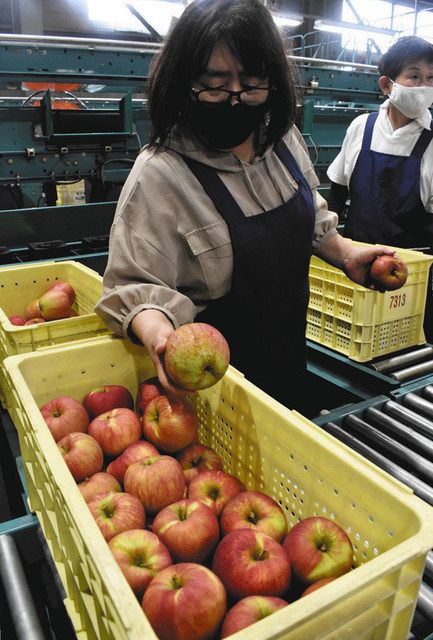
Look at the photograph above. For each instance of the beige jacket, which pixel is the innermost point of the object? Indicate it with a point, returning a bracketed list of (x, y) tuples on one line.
[(169, 247)]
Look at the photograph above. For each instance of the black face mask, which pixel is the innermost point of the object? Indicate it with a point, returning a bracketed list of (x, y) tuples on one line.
[(223, 125)]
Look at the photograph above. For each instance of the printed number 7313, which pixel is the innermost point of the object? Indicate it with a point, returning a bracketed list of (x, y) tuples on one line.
[(398, 300)]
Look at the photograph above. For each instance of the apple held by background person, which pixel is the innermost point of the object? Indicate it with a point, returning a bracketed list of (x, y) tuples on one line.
[(100, 482), (147, 391), (64, 415), (132, 453), (107, 397), (248, 611), (317, 585), (196, 356), (189, 529), (186, 601), (17, 321), (54, 305), (198, 457), (388, 272), (250, 563), (82, 454), (66, 287), (141, 555), (33, 310), (318, 548), (156, 481), (116, 430), (170, 425), (254, 510), (215, 488), (116, 512)]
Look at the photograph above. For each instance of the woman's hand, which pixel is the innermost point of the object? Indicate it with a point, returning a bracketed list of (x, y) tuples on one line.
[(152, 328)]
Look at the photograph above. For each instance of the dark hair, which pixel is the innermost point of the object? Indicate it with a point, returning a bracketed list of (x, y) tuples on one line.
[(248, 29), (405, 51)]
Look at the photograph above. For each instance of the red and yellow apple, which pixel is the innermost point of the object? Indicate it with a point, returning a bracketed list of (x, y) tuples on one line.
[(156, 481), (141, 555), (254, 510), (116, 430), (189, 529), (54, 305), (215, 488), (132, 453), (248, 611), (64, 415), (100, 482), (107, 397), (170, 425), (116, 512), (198, 457), (62, 285), (186, 601), (388, 272), (317, 548), (35, 321), (317, 585), (196, 356), (82, 454), (33, 310), (147, 391), (250, 563)]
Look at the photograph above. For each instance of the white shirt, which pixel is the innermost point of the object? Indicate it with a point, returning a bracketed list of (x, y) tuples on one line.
[(385, 140)]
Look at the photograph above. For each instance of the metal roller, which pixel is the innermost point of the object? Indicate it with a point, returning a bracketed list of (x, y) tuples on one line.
[(400, 431), (424, 604), (420, 488), (413, 401), (429, 565), (395, 362), (427, 392), (414, 461), (419, 423), (21, 607), (413, 372)]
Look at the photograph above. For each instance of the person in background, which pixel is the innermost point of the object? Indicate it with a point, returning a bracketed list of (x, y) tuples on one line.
[(385, 166), (220, 214)]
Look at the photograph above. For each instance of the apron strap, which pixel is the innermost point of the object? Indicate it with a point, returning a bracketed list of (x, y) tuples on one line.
[(422, 143), (368, 131)]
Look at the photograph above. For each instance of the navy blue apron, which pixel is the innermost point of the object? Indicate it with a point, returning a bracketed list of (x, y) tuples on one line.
[(263, 317), (385, 203)]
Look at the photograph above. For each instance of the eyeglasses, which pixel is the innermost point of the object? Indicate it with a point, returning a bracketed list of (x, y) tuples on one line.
[(251, 95)]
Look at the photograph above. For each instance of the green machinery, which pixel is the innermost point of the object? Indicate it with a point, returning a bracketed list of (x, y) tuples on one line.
[(43, 147)]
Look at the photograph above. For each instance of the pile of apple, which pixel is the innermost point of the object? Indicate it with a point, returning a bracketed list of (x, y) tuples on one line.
[(204, 556), (55, 304)]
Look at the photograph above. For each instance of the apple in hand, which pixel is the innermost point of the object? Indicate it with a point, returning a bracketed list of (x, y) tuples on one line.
[(156, 481), (170, 425), (107, 397), (18, 321), (54, 305), (197, 457), (82, 454), (100, 482), (196, 356), (215, 488), (250, 563), (116, 512), (132, 453), (64, 415), (192, 599), (317, 585), (388, 272), (254, 510), (140, 554), (33, 310), (318, 548), (147, 391), (62, 285), (189, 529), (248, 611), (115, 430)]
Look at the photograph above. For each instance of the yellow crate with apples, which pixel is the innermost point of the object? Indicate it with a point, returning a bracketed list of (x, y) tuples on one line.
[(19, 285), (362, 323), (270, 449)]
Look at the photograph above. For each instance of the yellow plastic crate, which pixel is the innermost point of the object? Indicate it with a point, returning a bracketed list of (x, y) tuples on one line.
[(266, 446), (22, 284), (362, 323)]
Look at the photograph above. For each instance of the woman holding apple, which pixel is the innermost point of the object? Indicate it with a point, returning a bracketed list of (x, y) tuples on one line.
[(220, 214)]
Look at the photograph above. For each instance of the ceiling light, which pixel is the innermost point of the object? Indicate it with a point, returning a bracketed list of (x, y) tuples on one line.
[(287, 19), (354, 29)]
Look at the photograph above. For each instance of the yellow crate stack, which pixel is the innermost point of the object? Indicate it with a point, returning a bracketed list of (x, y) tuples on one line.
[(362, 323), (266, 446)]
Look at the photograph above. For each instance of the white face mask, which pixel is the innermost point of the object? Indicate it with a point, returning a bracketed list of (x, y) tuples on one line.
[(411, 101)]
